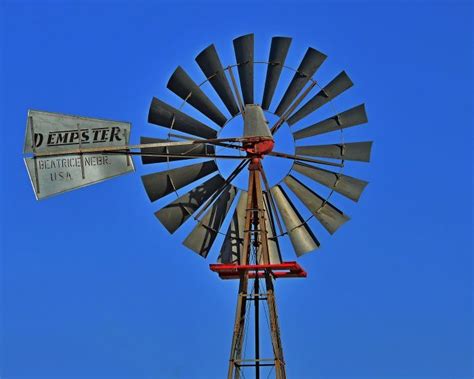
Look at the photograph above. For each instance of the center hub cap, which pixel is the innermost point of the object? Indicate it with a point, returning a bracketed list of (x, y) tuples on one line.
[(256, 130)]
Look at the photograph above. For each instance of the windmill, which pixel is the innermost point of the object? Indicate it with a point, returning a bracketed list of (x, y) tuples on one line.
[(69, 152)]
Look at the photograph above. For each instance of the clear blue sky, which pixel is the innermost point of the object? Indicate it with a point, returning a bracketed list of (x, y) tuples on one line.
[(94, 287)]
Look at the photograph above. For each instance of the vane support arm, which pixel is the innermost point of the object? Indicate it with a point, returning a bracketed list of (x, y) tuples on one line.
[(107, 149), (190, 156), (288, 113)]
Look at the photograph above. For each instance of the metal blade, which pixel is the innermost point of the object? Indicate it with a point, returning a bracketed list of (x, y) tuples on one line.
[(175, 214), (327, 214), (210, 64), (231, 250), (173, 150), (352, 117), (183, 86), (355, 151), (278, 52), (301, 236), (337, 86), (202, 237), (244, 47), (162, 183), (343, 184), (273, 245), (163, 114), (308, 66)]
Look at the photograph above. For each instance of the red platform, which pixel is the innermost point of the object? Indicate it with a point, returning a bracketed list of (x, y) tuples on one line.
[(279, 270)]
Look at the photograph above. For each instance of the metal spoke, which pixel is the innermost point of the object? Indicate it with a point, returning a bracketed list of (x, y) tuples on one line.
[(304, 159), (290, 110), (190, 156), (227, 182), (271, 201), (213, 141)]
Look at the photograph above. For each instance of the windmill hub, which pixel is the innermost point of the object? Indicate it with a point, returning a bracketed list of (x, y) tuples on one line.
[(260, 138), (258, 147)]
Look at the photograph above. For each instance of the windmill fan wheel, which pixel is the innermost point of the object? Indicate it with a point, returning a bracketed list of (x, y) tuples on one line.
[(211, 200)]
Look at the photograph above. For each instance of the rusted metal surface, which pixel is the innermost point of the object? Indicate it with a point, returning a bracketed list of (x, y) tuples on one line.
[(274, 253), (256, 240), (125, 149), (172, 153), (277, 270)]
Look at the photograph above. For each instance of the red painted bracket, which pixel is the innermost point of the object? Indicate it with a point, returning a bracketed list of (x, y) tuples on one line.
[(277, 270)]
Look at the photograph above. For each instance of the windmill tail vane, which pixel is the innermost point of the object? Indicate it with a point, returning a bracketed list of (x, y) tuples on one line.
[(64, 152)]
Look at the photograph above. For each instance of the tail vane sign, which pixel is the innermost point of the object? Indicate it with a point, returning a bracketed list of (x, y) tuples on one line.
[(52, 139)]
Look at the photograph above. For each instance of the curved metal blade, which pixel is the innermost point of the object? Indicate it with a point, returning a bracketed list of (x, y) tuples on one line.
[(354, 151), (337, 86), (231, 250), (343, 184), (301, 236), (278, 52), (183, 86), (210, 64), (243, 47), (308, 66), (173, 150), (273, 245), (352, 117), (202, 237), (175, 214), (163, 114), (162, 183), (327, 214)]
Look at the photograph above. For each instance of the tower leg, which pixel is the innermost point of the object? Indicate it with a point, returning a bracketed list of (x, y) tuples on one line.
[(236, 363), (275, 329), (256, 301), (239, 325)]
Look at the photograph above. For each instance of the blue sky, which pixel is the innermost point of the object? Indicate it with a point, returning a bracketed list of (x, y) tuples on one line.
[(94, 287)]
